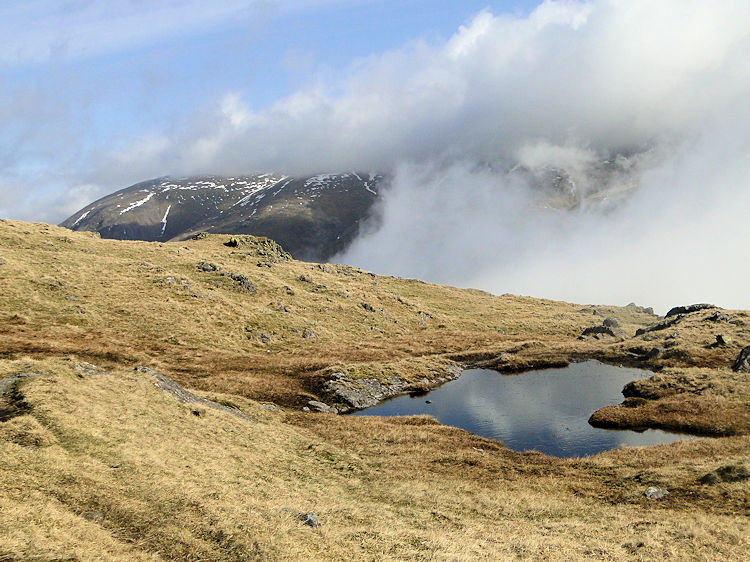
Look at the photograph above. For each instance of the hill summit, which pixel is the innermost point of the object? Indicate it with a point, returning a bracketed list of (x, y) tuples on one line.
[(313, 217)]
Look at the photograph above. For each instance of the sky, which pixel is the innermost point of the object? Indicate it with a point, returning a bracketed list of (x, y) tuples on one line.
[(640, 106)]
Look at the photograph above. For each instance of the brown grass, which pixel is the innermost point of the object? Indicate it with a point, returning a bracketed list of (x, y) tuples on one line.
[(112, 468), (116, 302), (702, 401), (109, 467)]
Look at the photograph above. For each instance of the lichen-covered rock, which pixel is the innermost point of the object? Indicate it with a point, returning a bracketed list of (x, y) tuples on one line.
[(206, 266), (183, 395), (655, 492), (264, 247), (363, 393), (309, 519), (597, 332), (742, 363), (723, 339), (352, 392)]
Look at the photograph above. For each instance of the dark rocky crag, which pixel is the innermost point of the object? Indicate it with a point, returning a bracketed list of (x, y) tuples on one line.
[(311, 217)]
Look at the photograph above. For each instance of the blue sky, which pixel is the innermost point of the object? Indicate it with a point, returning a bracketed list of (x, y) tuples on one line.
[(78, 78)]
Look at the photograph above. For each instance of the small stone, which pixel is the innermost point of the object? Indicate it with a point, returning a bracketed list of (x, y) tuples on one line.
[(655, 492), (70, 298), (308, 334), (271, 408), (309, 519), (263, 337), (722, 339), (95, 516), (243, 281), (718, 317), (88, 369), (633, 546), (655, 352), (305, 409), (367, 307), (322, 407), (304, 278), (598, 331), (205, 266), (501, 332)]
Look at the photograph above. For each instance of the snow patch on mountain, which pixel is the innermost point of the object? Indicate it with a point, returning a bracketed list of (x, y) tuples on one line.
[(83, 216), (138, 203), (164, 220)]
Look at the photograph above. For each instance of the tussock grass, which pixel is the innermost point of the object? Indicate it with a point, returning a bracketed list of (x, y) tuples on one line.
[(129, 472)]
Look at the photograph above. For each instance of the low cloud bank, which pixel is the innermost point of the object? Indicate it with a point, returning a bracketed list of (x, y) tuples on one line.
[(607, 161), (673, 230)]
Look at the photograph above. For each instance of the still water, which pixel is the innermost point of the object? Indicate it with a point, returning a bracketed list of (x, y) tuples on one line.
[(545, 410)]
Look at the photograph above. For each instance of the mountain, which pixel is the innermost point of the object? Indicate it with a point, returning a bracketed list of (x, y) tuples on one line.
[(312, 217)]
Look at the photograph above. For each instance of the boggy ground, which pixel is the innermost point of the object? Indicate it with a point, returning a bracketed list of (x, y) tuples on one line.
[(101, 463)]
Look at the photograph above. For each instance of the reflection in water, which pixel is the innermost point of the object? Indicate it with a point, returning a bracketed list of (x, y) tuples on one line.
[(544, 410)]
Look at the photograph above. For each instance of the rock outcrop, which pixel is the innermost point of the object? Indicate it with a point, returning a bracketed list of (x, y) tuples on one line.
[(688, 309), (742, 363)]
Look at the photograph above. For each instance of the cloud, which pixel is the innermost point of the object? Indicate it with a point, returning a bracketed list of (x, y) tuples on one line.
[(590, 151), (612, 76)]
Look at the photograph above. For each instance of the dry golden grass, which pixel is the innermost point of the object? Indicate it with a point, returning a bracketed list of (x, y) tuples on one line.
[(116, 302), (702, 401), (108, 467)]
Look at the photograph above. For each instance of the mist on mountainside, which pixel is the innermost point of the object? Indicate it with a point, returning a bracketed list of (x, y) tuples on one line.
[(601, 156)]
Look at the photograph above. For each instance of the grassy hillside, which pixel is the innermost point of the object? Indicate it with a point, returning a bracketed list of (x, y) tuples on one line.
[(101, 461)]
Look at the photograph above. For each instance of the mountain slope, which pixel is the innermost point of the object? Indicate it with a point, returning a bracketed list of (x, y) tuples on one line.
[(311, 217), (101, 461)]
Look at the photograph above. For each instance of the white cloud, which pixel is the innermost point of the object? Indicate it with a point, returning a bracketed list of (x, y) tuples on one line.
[(605, 75)]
